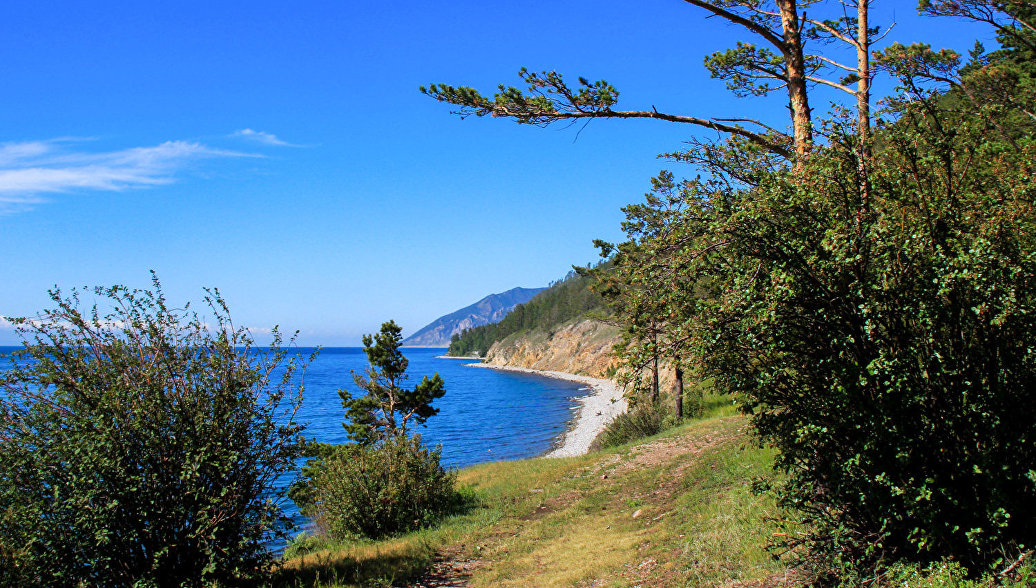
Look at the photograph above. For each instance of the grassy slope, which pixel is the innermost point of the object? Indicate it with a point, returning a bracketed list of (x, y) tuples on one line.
[(672, 510)]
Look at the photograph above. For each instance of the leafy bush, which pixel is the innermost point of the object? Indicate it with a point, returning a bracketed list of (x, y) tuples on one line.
[(643, 420), (386, 489), (140, 447), (950, 574), (885, 346), (302, 544), (874, 310)]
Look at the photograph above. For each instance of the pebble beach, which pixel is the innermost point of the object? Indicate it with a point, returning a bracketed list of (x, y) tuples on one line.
[(599, 407)]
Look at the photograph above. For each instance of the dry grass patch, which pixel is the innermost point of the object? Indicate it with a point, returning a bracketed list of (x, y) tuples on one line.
[(553, 552), (380, 563)]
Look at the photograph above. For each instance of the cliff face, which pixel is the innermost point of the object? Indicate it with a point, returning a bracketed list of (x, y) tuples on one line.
[(581, 347)]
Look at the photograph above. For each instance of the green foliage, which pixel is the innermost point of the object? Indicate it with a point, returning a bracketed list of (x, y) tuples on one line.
[(548, 98), (643, 420), (386, 482), (889, 354), (645, 285), (563, 301), (302, 544), (950, 574), (386, 489), (742, 65), (373, 415), (140, 446), (881, 339), (875, 317)]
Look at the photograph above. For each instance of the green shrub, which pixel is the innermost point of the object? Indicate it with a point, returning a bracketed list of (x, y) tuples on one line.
[(140, 447), (376, 491), (643, 420), (302, 544), (887, 354), (950, 574)]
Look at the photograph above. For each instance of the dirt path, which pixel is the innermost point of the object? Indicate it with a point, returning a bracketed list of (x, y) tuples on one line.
[(456, 566), (450, 569)]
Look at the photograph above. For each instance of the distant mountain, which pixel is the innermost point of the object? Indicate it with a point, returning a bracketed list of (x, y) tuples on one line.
[(491, 309), (564, 301)]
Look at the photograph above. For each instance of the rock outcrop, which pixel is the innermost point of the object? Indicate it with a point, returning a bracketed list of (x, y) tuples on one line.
[(581, 347)]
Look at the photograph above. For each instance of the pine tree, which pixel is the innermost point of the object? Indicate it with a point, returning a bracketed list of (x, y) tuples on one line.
[(387, 408)]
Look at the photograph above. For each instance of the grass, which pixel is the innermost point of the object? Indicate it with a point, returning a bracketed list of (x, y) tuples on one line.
[(674, 509)]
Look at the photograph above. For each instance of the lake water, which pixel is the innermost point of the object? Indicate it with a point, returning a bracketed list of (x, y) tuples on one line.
[(485, 415)]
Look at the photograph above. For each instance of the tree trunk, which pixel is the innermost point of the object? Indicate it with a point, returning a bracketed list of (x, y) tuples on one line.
[(654, 366), (654, 379), (795, 65), (863, 87), (863, 106), (678, 392)]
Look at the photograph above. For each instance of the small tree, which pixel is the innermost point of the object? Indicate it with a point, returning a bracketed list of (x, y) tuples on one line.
[(385, 482), (386, 409), (141, 446)]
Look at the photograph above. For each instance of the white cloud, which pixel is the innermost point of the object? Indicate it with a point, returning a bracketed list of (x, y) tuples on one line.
[(29, 169), (261, 137)]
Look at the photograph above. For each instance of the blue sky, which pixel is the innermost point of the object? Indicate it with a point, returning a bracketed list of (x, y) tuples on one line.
[(281, 151)]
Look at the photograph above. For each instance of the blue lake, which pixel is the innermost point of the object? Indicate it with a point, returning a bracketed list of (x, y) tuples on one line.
[(485, 415)]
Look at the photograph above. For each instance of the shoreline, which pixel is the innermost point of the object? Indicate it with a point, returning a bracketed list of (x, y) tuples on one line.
[(598, 408)]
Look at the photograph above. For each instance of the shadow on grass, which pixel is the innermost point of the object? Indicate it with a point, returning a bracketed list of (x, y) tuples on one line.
[(384, 562), (367, 568)]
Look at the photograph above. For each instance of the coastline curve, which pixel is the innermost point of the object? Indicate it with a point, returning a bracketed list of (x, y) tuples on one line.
[(597, 409)]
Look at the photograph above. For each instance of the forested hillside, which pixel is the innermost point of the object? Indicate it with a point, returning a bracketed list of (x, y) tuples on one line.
[(564, 300)]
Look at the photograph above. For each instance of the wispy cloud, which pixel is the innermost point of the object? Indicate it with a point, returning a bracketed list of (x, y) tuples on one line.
[(261, 137), (29, 169)]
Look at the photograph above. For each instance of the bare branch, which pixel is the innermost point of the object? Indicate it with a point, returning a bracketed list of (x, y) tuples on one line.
[(834, 63), (885, 34), (832, 31), (836, 85), (713, 124), (770, 36), (748, 120)]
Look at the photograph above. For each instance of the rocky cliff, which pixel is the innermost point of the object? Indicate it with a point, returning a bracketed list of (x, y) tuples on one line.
[(578, 347)]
